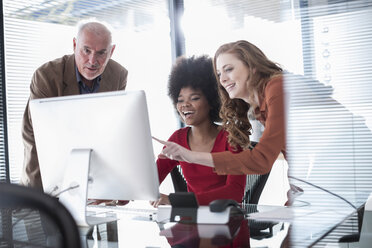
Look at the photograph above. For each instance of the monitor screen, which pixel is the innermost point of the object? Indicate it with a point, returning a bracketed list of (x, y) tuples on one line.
[(114, 126)]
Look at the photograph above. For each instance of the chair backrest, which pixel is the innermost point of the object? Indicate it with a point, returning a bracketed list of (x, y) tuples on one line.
[(20, 204), (254, 185), (179, 182)]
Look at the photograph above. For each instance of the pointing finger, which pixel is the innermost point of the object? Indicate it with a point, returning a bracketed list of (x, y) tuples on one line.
[(160, 141)]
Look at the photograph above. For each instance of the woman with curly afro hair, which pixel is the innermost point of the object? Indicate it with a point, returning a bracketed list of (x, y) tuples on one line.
[(248, 83), (193, 90)]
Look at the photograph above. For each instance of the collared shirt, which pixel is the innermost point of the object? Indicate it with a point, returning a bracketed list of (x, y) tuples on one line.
[(83, 88)]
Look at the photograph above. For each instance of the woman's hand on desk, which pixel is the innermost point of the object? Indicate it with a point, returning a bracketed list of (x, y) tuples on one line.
[(163, 200), (107, 202)]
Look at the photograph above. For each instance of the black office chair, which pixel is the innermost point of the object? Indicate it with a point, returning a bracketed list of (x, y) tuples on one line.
[(34, 219), (254, 187), (179, 182)]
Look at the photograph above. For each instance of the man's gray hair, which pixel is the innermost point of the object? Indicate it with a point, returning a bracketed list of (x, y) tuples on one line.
[(95, 26)]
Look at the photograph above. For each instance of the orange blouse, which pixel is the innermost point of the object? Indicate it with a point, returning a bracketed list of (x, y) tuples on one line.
[(260, 159)]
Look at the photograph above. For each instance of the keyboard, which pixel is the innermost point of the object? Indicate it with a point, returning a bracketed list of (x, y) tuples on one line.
[(148, 214)]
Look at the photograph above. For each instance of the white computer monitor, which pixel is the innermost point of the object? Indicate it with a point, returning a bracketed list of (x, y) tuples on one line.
[(114, 127)]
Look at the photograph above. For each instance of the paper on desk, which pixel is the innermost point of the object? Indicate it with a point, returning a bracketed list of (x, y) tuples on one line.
[(278, 214), (286, 214)]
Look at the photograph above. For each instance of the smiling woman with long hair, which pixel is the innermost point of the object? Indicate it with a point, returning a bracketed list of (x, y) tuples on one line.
[(249, 83)]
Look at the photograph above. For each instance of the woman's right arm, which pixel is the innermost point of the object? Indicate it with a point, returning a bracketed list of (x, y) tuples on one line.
[(176, 152)]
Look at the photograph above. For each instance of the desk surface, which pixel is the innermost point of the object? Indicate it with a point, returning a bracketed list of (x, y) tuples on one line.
[(264, 226), (239, 232), (270, 226)]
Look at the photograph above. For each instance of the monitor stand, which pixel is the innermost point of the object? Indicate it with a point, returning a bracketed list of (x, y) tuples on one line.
[(75, 184)]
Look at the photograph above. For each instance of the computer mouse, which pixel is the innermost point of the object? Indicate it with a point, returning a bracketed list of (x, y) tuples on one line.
[(220, 205)]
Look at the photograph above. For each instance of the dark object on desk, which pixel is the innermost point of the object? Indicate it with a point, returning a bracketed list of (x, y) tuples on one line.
[(184, 206), (221, 205), (259, 229), (110, 230), (354, 237), (20, 204), (235, 233), (350, 238)]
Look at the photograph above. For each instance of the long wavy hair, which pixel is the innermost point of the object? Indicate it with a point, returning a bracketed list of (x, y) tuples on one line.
[(234, 112)]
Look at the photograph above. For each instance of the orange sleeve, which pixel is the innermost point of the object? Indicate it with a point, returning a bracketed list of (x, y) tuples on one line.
[(260, 159)]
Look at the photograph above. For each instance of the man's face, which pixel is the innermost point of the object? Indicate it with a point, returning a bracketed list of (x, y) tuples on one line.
[(92, 53)]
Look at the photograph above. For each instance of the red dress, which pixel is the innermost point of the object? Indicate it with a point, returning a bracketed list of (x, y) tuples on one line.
[(202, 180)]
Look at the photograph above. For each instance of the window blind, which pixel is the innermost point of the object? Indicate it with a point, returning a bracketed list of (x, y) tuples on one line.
[(38, 31), (329, 109), (4, 162)]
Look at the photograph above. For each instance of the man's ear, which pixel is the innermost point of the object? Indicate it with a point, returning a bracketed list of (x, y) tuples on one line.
[(74, 44), (112, 50)]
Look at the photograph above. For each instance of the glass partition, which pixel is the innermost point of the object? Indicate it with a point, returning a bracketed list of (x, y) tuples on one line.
[(329, 107), (325, 46)]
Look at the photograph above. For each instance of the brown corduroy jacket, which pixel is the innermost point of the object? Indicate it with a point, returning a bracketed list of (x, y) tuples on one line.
[(52, 79)]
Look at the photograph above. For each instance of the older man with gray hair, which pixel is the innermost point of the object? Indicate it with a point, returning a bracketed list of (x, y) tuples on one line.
[(90, 69)]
